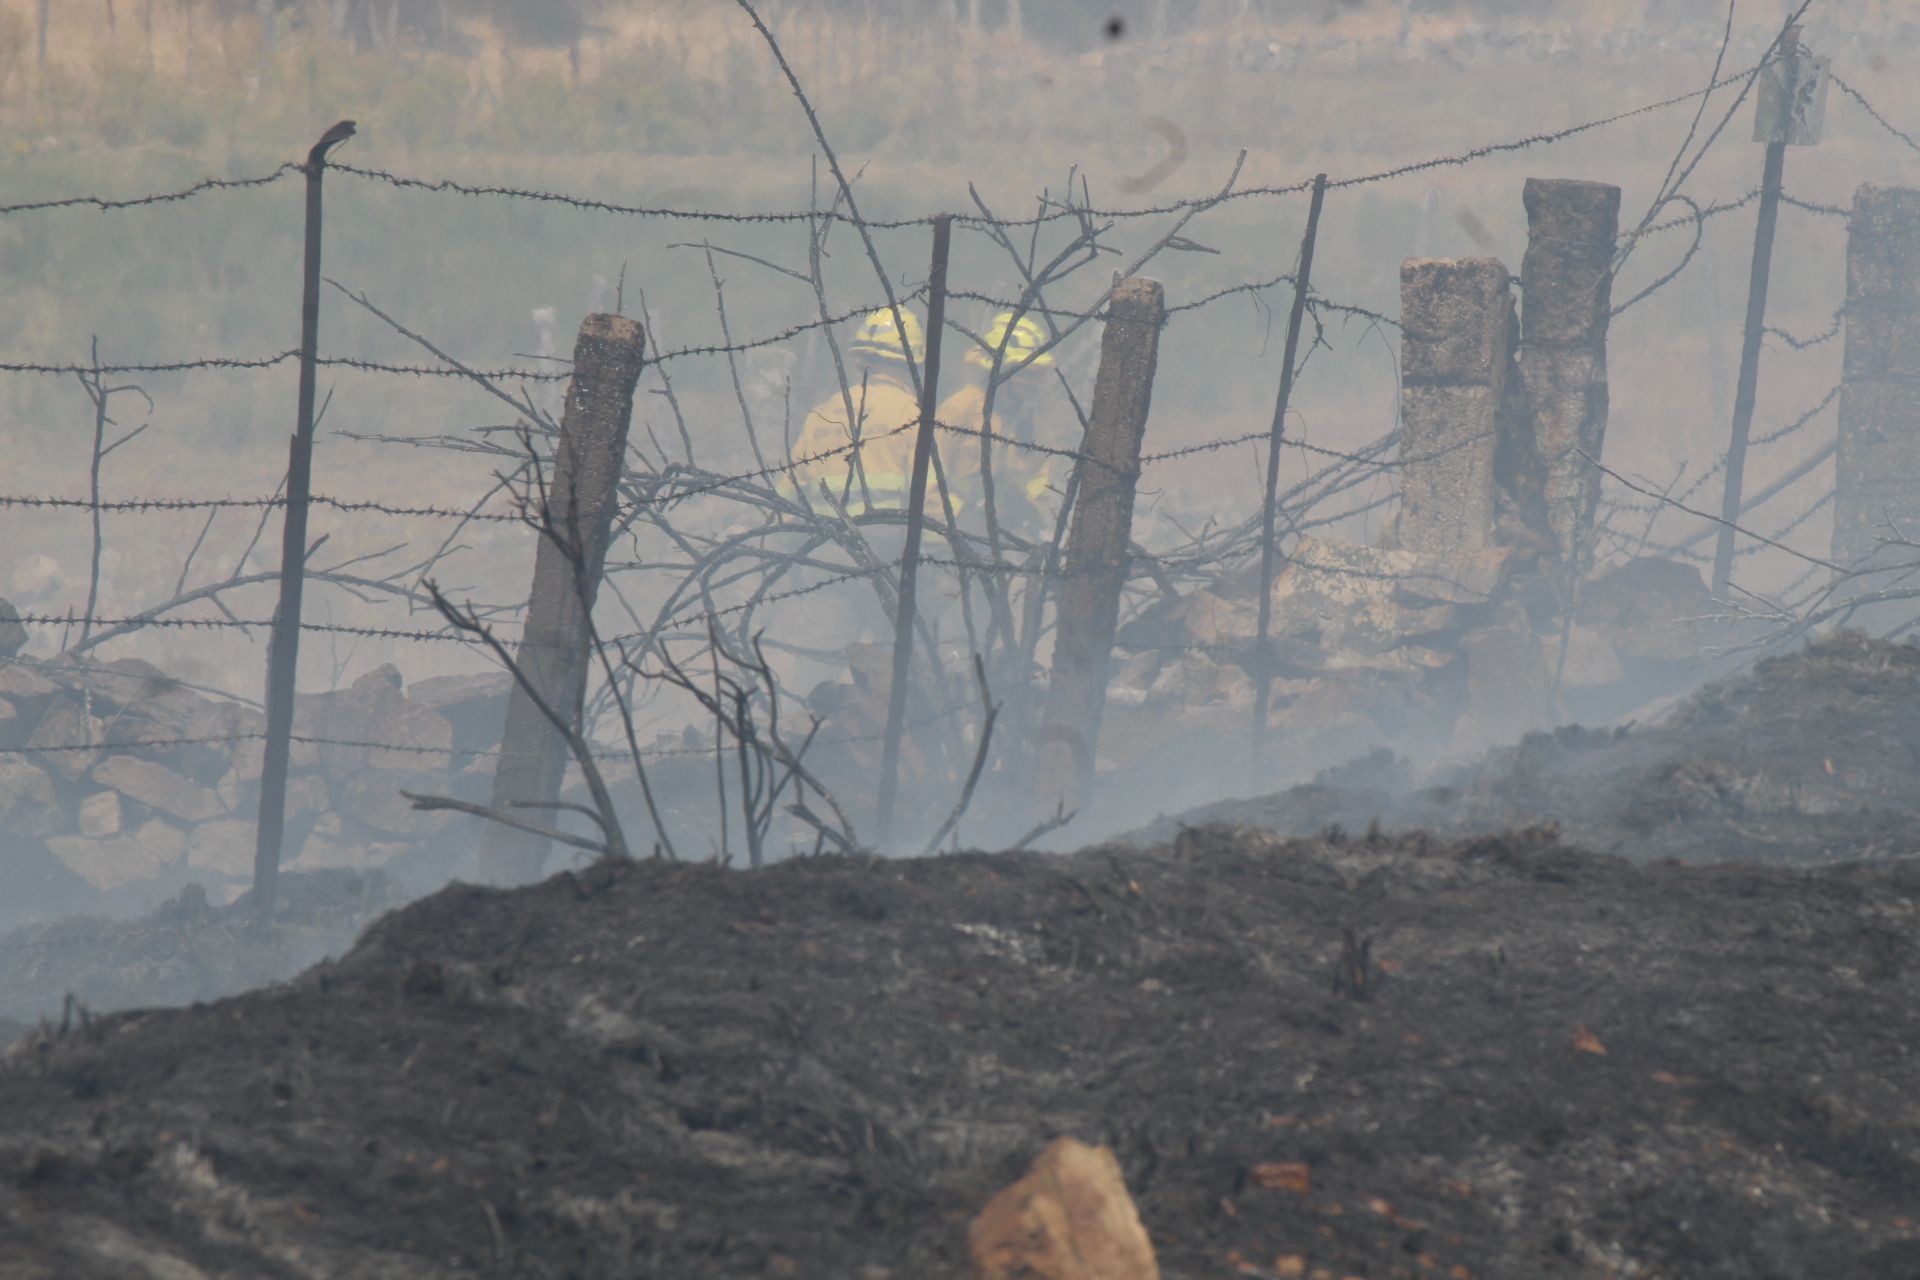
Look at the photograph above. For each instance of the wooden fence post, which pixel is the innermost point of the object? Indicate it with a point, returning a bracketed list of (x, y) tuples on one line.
[(1877, 475), (1098, 541), (554, 651), (283, 649)]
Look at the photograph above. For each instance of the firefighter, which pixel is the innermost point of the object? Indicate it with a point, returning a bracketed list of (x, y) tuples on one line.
[(1021, 477), (885, 412), (873, 478)]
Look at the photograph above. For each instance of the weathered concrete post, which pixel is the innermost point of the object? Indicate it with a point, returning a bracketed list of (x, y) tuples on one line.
[(1097, 541), (581, 493), (1567, 298), (1458, 320), (1877, 472)]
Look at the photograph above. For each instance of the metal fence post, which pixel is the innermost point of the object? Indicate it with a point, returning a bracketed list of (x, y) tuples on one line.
[(555, 648), (903, 621), (1263, 675), (283, 651), (1098, 544), (1777, 124)]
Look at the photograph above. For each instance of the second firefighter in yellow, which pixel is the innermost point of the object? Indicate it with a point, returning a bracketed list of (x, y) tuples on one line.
[(1021, 477)]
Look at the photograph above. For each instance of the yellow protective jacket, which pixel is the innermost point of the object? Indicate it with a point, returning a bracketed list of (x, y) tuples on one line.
[(887, 413), (1013, 467)]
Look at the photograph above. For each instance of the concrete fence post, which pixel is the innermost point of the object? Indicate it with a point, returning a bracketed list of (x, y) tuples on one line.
[(554, 649), (1877, 472), (1567, 300), (1098, 541), (1458, 320)]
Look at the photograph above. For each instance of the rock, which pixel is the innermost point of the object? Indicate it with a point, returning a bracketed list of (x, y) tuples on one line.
[(374, 800), (27, 798), (224, 720), (1201, 617), (1651, 610), (372, 710), (100, 815), (476, 706), (328, 846), (109, 863), (249, 757), (127, 684), (306, 794), (1196, 680), (1369, 607), (13, 635), (225, 846), (16, 726), (159, 788), (161, 840), (330, 853), (1591, 661), (1070, 1218), (61, 737), (25, 687)]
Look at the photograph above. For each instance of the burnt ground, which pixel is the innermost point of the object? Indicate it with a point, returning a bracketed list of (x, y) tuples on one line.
[(1808, 757), (1498, 1056), (185, 949), (1568, 1064)]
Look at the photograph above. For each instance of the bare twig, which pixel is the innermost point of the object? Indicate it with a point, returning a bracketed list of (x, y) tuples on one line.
[(990, 711), (468, 622)]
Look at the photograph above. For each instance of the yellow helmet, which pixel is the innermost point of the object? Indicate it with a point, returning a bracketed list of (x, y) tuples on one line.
[(879, 337), (1027, 337)]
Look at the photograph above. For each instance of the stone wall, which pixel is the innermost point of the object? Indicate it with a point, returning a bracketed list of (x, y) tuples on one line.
[(114, 776)]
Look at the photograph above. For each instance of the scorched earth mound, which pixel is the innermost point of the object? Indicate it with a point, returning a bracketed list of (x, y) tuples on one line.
[(1384, 1057)]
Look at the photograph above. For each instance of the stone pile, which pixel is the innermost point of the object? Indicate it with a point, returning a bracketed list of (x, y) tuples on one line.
[(126, 777), (1381, 646)]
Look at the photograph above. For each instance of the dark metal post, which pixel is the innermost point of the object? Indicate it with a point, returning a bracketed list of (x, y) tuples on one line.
[(903, 621), (1745, 392), (1263, 674), (283, 652)]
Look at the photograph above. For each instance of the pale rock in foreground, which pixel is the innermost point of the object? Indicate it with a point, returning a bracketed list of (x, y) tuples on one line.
[(1070, 1218)]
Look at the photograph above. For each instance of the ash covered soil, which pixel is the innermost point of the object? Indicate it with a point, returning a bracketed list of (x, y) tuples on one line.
[(1569, 1065), (1495, 1057), (1809, 757)]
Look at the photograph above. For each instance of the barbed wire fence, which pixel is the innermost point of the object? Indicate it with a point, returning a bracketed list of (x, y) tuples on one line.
[(772, 551)]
